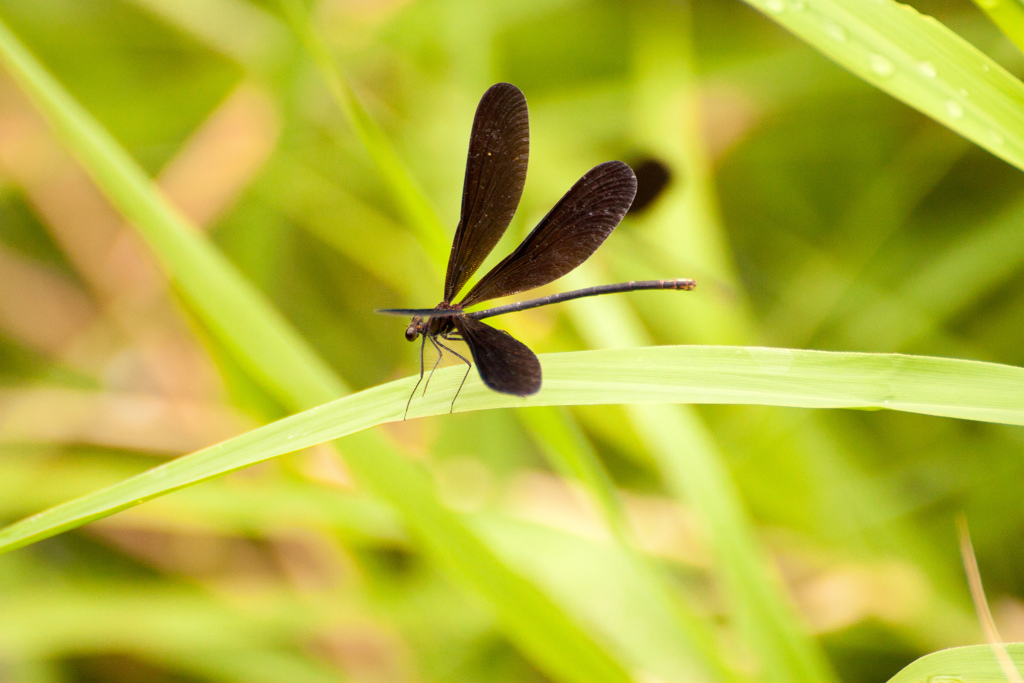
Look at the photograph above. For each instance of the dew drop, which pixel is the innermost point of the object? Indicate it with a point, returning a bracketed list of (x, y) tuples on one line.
[(882, 66), (775, 6), (985, 67), (955, 109), (996, 138), (927, 69), (835, 31), (964, 93)]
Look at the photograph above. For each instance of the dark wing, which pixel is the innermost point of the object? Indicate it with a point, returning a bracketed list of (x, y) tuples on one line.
[(504, 364), (499, 148), (566, 237)]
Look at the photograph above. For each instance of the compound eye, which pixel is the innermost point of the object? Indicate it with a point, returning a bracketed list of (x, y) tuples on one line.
[(411, 333)]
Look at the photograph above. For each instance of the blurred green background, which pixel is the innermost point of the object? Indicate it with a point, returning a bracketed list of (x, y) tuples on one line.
[(815, 212)]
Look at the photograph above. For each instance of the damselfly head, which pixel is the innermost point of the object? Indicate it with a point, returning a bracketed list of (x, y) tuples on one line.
[(415, 329)]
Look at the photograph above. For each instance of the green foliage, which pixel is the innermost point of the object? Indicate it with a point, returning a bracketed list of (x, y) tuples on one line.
[(740, 540)]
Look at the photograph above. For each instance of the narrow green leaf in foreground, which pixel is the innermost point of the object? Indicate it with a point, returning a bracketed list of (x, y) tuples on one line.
[(917, 60), (667, 374), (976, 663)]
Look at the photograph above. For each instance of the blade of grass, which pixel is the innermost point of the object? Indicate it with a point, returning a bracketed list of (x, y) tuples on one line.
[(813, 295), (1008, 15), (414, 204), (964, 389), (917, 60), (646, 614), (693, 468), (28, 484), (242, 318), (982, 260), (684, 449), (169, 617), (237, 29), (571, 453), (975, 663), (277, 357)]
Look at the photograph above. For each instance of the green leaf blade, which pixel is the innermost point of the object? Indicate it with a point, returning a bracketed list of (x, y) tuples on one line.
[(917, 60), (975, 663), (684, 374)]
